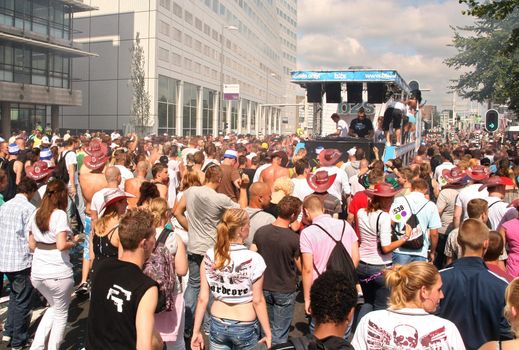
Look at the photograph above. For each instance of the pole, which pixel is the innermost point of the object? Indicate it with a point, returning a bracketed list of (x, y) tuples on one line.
[(221, 76)]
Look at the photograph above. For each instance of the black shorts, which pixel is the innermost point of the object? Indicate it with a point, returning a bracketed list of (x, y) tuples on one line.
[(393, 115)]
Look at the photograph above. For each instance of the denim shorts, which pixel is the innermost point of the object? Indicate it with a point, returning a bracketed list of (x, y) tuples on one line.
[(86, 243), (233, 335)]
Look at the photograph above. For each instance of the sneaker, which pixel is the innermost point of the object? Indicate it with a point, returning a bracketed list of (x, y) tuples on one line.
[(6, 338), (82, 289), (388, 144), (398, 144)]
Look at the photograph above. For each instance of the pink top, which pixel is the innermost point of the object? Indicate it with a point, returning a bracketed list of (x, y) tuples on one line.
[(314, 241), (512, 239)]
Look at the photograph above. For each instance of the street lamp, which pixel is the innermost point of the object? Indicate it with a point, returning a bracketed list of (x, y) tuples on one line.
[(221, 77)]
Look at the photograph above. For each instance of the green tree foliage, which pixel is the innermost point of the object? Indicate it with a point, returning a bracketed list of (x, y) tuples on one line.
[(488, 52), (140, 111)]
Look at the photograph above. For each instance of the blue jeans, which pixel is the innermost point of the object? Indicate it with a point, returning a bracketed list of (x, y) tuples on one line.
[(280, 307), (402, 259), (19, 309), (191, 295), (375, 291), (233, 335)]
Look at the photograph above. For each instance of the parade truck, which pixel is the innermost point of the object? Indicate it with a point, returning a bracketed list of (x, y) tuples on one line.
[(344, 92)]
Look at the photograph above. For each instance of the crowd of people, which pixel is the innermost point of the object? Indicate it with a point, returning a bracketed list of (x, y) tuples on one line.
[(206, 242)]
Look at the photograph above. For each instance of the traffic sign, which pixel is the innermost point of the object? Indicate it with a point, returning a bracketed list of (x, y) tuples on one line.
[(491, 120)]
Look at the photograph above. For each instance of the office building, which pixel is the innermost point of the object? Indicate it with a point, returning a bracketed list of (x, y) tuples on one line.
[(36, 52), (183, 43)]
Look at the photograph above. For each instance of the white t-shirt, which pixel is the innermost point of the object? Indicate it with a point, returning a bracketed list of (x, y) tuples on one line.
[(259, 170), (233, 283), (468, 193), (98, 199), (342, 125), (368, 250), (301, 189), (496, 211), (51, 263), (70, 158), (439, 171), (406, 329), (126, 174)]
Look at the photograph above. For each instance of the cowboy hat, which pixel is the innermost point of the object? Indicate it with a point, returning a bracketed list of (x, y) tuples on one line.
[(454, 175), (329, 157), (478, 172), (96, 147), (382, 190), (320, 181), (39, 170), (95, 161), (493, 181), (113, 196)]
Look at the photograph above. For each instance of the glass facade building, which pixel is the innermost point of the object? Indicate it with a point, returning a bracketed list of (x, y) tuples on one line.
[(36, 51)]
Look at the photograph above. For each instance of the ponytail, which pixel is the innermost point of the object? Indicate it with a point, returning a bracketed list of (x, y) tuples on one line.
[(405, 281), (226, 230)]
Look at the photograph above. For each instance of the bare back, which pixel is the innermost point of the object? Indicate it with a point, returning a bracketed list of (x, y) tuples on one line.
[(91, 183), (273, 172), (133, 186)]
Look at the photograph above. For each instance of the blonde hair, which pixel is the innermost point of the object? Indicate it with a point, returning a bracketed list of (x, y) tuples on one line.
[(472, 234), (159, 209), (102, 224), (405, 282), (512, 299), (283, 184), (232, 220)]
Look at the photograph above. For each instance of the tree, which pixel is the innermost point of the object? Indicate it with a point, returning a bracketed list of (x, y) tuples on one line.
[(489, 51), (140, 110)]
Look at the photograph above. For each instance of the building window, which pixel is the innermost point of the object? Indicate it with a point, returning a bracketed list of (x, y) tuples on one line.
[(252, 116), (188, 40), (207, 111), (177, 34), (165, 3), (164, 28), (198, 23), (188, 17), (189, 109), (176, 59), (167, 105), (177, 10), (163, 54), (234, 115), (244, 114)]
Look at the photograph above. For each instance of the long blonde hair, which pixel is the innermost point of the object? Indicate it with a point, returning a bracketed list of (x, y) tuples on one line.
[(226, 230), (159, 208), (405, 281), (110, 214)]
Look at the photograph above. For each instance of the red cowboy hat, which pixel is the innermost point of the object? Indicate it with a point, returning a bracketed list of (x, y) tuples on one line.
[(113, 196), (453, 175), (95, 147), (329, 156), (39, 170), (320, 181), (95, 161), (493, 181), (478, 172), (382, 190)]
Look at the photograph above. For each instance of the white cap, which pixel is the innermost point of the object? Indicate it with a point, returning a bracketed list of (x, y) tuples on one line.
[(352, 151), (45, 140), (230, 153), (66, 137)]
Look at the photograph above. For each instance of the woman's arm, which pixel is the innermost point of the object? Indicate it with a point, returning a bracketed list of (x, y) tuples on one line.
[(180, 258), (63, 244), (260, 306), (197, 341), (32, 242)]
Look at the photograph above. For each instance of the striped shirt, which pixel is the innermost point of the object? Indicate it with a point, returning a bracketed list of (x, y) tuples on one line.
[(14, 233)]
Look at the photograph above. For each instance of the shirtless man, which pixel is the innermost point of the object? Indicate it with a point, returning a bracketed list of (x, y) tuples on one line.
[(160, 175), (91, 180), (133, 185), (276, 170)]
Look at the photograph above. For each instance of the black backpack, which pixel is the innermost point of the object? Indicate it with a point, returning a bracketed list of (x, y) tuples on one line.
[(417, 231), (339, 260), (61, 171)]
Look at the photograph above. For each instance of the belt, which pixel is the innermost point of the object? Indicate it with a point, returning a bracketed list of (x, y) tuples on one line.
[(226, 320), (46, 246), (377, 265), (195, 257)]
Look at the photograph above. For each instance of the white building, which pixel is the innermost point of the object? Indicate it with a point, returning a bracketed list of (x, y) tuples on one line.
[(183, 42)]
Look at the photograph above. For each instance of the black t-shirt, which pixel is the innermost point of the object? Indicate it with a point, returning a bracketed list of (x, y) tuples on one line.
[(278, 246), (361, 127), (117, 289)]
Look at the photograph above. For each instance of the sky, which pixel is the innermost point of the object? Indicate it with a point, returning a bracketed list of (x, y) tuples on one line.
[(409, 36)]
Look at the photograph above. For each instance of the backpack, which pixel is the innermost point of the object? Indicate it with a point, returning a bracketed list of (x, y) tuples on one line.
[(417, 232), (339, 260), (489, 225), (61, 171), (160, 267)]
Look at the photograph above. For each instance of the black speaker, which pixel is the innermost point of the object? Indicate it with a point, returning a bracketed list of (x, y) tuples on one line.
[(314, 93), (377, 92), (333, 92), (354, 92)]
